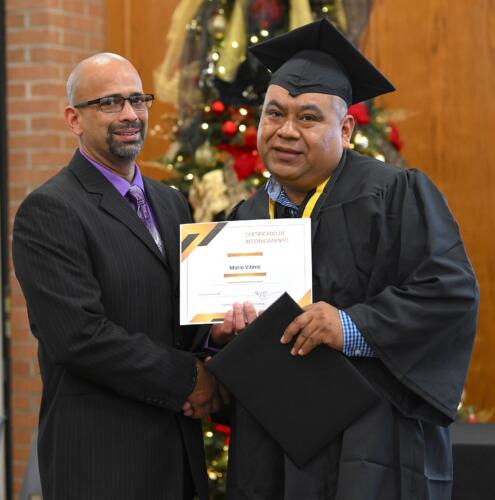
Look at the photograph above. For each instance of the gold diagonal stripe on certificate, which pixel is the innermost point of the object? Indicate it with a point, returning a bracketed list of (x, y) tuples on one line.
[(194, 235), (191, 232), (245, 254), (244, 275), (306, 299), (207, 317)]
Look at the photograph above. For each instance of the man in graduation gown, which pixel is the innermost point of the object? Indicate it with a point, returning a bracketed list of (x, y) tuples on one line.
[(393, 287)]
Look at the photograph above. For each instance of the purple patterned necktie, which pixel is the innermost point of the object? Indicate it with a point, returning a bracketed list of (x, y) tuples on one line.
[(136, 196)]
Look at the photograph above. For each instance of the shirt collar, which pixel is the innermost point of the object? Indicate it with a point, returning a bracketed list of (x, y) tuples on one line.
[(119, 183), (276, 192)]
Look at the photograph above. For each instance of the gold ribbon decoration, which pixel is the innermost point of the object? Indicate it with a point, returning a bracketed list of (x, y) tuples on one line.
[(340, 15), (166, 76), (233, 50), (300, 13)]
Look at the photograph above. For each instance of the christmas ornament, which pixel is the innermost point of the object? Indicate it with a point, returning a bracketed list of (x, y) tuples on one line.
[(204, 156), (216, 25), (361, 140), (229, 128), (217, 107), (250, 94)]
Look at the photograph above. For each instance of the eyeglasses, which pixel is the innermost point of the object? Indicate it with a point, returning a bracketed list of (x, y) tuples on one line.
[(115, 103)]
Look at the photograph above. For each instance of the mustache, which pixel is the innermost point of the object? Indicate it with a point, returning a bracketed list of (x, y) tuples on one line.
[(119, 126)]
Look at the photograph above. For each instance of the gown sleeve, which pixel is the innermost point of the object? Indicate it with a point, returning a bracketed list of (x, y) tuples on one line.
[(421, 318)]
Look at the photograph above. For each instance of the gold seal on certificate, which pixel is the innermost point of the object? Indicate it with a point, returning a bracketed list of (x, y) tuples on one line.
[(237, 261)]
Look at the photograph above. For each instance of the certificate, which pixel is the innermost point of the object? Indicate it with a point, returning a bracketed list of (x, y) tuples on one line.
[(237, 261)]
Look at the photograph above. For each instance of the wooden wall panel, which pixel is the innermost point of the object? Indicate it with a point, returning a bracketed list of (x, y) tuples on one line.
[(138, 30), (439, 54)]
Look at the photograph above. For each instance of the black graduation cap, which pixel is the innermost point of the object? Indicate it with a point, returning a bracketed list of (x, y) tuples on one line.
[(317, 58), (322, 391)]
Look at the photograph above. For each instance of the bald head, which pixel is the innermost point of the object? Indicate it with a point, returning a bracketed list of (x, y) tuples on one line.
[(89, 69), (112, 137)]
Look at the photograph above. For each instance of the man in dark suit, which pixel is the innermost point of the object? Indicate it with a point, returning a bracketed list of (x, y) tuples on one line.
[(96, 251)]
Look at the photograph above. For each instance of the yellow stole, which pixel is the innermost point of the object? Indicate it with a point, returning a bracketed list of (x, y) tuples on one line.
[(310, 205)]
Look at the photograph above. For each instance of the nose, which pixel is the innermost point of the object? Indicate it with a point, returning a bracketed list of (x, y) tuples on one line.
[(128, 113), (288, 130)]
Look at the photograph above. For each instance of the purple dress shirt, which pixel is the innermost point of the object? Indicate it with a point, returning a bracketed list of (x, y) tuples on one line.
[(120, 184)]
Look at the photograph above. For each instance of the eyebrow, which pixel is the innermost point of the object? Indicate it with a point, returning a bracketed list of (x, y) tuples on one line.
[(304, 107), (274, 102), (120, 95)]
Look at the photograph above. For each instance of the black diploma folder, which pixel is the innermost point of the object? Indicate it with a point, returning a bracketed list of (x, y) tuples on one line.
[(303, 402)]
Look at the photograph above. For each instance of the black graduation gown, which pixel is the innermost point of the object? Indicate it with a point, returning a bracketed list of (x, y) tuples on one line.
[(387, 250)]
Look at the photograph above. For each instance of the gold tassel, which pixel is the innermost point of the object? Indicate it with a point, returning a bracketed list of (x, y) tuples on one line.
[(166, 76), (233, 51), (300, 13)]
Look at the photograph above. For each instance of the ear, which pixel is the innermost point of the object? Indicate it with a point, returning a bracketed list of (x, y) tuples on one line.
[(73, 119), (347, 129)]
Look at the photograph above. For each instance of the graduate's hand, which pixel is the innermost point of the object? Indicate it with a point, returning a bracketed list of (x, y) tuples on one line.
[(318, 324), (205, 398), (235, 321)]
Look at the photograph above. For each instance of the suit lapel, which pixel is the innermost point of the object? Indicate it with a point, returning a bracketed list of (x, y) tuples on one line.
[(168, 227), (111, 201)]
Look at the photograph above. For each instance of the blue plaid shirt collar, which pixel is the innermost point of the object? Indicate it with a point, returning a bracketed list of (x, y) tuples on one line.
[(276, 192)]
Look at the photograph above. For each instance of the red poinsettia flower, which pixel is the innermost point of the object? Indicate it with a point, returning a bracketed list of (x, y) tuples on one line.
[(250, 137), (247, 165), (394, 137), (360, 113), (246, 160)]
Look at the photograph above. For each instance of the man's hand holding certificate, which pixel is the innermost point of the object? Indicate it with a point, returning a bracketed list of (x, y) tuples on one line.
[(223, 263)]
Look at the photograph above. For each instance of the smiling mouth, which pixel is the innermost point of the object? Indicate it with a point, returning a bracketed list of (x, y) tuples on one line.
[(286, 154), (128, 134)]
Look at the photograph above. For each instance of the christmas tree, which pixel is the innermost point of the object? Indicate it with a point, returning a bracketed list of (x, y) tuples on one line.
[(218, 88)]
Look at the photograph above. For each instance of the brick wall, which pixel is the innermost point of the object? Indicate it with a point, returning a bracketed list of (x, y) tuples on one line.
[(45, 39)]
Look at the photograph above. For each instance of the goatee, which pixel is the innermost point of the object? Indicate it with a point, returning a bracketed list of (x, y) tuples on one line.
[(125, 150)]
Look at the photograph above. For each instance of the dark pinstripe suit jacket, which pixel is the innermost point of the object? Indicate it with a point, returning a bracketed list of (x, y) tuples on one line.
[(103, 303)]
